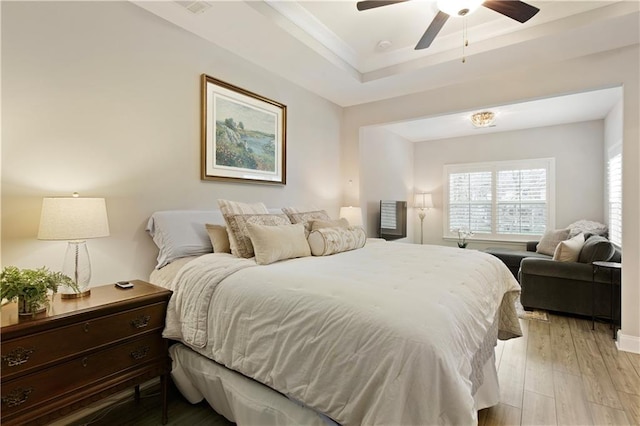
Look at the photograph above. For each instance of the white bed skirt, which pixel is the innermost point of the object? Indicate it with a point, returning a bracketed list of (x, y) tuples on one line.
[(247, 402)]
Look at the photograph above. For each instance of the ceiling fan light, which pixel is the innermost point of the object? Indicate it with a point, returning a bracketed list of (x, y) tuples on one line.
[(459, 7), (483, 119)]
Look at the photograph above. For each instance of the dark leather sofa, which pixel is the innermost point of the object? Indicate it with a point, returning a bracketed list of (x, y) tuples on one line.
[(566, 286)]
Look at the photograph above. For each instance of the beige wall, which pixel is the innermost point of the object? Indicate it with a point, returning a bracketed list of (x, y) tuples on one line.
[(613, 68), (103, 98)]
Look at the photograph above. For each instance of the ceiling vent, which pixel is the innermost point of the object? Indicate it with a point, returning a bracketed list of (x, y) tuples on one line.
[(195, 7)]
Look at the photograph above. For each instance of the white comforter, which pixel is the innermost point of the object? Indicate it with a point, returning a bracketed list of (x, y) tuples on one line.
[(381, 335)]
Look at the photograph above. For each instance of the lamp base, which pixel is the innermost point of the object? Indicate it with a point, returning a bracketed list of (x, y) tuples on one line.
[(85, 293)]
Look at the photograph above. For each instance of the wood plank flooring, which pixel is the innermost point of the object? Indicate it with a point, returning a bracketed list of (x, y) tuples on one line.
[(559, 373)]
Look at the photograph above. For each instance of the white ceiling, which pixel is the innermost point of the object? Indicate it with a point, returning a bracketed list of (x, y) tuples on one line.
[(331, 48)]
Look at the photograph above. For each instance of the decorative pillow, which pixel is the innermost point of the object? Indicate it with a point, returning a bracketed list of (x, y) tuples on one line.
[(233, 207), (304, 217), (588, 226), (181, 233), (596, 248), (338, 223), (550, 241), (273, 243), (326, 241), (219, 238), (237, 229), (569, 250)]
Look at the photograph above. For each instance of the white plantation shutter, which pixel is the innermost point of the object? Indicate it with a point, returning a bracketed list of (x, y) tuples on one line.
[(614, 177), (521, 201), (500, 200), (470, 202)]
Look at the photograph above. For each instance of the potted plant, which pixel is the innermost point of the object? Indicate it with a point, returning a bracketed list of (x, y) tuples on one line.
[(463, 234), (31, 287)]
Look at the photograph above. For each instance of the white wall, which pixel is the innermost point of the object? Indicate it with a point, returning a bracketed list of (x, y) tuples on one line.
[(103, 98), (577, 149), (386, 174), (607, 69)]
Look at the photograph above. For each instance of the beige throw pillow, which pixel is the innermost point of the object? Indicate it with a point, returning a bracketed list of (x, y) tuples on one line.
[(237, 228), (273, 243), (569, 250), (296, 216), (219, 238), (550, 241), (338, 223)]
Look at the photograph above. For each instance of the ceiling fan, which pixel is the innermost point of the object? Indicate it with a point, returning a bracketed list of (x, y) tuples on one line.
[(514, 9)]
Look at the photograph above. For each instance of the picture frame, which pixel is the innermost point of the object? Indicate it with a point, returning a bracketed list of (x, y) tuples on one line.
[(243, 135)]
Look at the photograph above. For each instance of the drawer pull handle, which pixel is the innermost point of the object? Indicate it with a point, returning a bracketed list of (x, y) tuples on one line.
[(140, 353), (86, 327), (141, 321), (85, 361), (17, 356), (17, 397)]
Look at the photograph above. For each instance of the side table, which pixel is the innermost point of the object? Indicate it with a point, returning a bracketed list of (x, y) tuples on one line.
[(614, 268)]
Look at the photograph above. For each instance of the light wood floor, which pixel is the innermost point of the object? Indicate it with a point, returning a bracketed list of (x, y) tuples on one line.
[(563, 373), (559, 373)]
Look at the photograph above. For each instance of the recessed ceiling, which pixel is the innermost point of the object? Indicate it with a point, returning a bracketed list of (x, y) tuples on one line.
[(331, 48)]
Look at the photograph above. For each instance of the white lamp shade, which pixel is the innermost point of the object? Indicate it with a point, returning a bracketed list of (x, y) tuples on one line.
[(423, 201), (71, 218), (352, 214)]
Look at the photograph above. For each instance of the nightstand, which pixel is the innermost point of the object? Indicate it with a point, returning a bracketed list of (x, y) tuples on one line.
[(82, 350), (612, 267)]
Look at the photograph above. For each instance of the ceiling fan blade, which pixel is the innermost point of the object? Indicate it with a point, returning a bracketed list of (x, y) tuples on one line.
[(514, 9), (432, 31), (372, 4)]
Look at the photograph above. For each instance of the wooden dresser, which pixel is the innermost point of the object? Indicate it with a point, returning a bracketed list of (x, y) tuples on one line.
[(82, 350)]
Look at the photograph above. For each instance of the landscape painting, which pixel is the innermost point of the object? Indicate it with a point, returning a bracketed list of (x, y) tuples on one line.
[(243, 135)]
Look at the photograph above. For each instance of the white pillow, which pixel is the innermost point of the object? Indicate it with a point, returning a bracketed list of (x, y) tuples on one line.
[(326, 241), (550, 241), (569, 250), (181, 233), (273, 243)]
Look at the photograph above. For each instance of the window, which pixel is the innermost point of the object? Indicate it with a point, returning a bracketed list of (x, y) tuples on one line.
[(506, 200), (614, 180)]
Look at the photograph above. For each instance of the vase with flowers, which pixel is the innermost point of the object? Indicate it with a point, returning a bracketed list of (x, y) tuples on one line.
[(31, 287), (463, 234)]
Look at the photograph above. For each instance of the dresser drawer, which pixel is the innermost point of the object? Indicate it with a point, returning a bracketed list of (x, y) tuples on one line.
[(26, 392), (22, 354)]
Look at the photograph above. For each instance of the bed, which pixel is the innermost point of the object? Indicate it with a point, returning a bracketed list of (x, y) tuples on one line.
[(388, 333)]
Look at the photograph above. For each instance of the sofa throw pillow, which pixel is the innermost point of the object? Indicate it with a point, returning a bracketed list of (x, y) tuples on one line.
[(338, 223), (237, 228), (596, 248), (327, 241), (219, 238), (569, 250), (550, 241), (588, 227), (280, 242)]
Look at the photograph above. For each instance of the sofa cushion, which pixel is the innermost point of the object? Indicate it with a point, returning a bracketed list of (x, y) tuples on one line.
[(550, 241), (512, 258), (596, 248), (569, 250)]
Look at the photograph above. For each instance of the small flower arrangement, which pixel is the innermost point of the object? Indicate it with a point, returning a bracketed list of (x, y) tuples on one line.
[(31, 287), (463, 234)]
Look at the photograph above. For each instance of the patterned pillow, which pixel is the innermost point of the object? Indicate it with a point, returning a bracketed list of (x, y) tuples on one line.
[(237, 228), (297, 216), (233, 207), (326, 241)]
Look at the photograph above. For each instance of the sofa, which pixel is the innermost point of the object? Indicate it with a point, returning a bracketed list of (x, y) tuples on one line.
[(565, 287)]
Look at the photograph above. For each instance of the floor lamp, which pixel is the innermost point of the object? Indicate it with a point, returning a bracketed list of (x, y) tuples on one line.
[(423, 201)]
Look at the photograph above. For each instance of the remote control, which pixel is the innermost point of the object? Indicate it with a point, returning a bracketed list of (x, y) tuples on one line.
[(124, 285)]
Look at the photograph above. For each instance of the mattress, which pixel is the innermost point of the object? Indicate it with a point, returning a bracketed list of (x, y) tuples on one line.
[(388, 334)]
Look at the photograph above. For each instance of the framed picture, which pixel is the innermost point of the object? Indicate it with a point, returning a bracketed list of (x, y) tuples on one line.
[(243, 135)]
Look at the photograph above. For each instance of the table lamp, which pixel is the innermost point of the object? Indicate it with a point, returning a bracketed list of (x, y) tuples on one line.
[(74, 219), (352, 214)]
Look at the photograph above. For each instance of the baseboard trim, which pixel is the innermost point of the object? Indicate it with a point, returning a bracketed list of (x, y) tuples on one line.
[(628, 343)]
